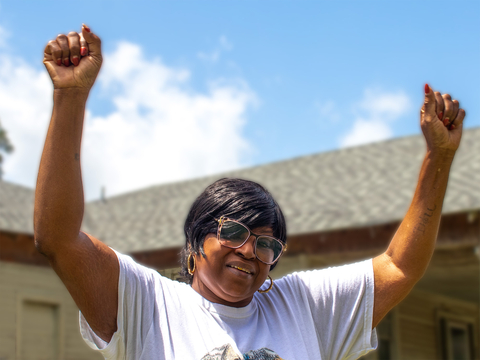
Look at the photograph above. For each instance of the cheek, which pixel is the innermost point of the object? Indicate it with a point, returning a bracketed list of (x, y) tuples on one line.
[(210, 244), (214, 252), (212, 249)]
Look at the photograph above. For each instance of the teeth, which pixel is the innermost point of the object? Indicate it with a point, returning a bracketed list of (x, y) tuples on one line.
[(241, 269)]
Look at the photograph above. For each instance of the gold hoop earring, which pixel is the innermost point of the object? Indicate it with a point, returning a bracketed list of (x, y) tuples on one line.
[(190, 271), (269, 288)]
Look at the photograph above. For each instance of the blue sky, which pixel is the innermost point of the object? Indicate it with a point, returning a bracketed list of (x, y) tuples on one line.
[(237, 83)]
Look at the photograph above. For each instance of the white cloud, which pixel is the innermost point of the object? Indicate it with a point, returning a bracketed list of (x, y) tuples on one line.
[(160, 129), (214, 55), (388, 106), (366, 131), (375, 114), (25, 109)]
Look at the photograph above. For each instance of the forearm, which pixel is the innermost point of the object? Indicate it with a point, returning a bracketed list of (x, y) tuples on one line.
[(59, 199), (412, 246)]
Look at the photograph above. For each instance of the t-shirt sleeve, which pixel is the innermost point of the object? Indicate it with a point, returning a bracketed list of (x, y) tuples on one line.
[(137, 307), (340, 300)]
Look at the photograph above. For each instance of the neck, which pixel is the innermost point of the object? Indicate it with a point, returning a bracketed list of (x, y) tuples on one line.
[(225, 299)]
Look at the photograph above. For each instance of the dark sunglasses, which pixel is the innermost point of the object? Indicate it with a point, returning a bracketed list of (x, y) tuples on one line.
[(233, 234)]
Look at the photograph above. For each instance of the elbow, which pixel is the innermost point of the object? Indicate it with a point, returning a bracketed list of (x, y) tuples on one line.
[(43, 240), (49, 236), (404, 274), (50, 243), (40, 244), (39, 234)]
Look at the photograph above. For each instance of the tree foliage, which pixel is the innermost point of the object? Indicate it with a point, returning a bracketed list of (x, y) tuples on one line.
[(5, 146)]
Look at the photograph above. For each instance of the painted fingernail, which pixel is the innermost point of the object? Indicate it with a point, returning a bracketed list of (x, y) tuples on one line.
[(446, 121), (83, 51), (75, 60), (440, 115), (59, 62), (427, 89), (86, 28), (66, 62)]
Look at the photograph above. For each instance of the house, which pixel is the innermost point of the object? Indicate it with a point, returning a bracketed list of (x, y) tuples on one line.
[(341, 206)]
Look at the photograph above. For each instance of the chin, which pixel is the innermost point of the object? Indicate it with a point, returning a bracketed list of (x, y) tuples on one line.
[(237, 294)]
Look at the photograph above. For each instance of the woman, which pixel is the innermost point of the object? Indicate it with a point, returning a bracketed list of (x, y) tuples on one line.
[(235, 234)]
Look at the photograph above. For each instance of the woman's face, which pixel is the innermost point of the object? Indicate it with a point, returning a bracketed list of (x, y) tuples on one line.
[(230, 276)]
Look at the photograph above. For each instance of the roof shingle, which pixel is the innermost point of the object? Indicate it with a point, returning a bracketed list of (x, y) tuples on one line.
[(351, 187)]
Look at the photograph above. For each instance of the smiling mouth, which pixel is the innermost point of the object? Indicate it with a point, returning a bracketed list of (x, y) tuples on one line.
[(239, 268)]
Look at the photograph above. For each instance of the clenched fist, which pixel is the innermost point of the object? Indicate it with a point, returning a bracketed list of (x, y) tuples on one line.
[(74, 60), (441, 119)]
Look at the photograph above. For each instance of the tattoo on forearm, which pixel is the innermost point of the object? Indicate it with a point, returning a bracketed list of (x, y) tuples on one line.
[(424, 219), (77, 156)]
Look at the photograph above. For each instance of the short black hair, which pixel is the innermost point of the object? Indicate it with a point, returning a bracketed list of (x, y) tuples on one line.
[(242, 200)]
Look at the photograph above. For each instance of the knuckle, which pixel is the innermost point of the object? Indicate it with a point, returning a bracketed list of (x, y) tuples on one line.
[(447, 96), (61, 37), (72, 34), (57, 53), (75, 49)]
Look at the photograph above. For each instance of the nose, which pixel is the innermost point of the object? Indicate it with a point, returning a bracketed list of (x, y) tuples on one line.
[(247, 250)]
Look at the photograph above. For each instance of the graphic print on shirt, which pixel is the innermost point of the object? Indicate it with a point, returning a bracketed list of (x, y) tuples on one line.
[(226, 352)]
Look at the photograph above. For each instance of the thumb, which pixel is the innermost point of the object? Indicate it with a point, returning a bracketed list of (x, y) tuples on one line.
[(93, 42), (429, 104)]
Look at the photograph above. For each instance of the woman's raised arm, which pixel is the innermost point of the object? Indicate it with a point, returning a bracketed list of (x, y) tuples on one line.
[(88, 268), (408, 255)]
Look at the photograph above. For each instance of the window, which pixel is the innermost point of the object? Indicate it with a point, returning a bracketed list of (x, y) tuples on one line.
[(456, 338), (386, 339)]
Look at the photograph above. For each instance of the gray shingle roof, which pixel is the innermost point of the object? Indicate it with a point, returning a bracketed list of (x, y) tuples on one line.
[(358, 186), (16, 208)]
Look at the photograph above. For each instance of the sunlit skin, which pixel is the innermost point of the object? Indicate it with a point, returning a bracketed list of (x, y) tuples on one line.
[(78, 258), (217, 281)]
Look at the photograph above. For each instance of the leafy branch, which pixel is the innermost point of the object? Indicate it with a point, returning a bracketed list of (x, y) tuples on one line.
[(6, 146)]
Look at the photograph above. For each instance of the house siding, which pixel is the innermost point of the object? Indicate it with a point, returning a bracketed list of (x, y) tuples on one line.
[(419, 316), (37, 292)]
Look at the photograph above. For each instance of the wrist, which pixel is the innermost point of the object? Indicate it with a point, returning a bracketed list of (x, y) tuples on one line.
[(444, 155), (73, 93)]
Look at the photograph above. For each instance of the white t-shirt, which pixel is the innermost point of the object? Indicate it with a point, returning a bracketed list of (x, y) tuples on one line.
[(320, 314)]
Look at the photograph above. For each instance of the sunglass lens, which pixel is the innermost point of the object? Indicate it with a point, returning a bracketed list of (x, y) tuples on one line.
[(233, 234), (268, 249)]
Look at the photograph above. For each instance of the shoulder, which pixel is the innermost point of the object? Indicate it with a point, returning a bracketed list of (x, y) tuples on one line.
[(344, 276), (136, 277)]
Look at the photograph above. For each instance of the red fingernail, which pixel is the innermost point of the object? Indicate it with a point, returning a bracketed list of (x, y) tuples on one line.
[(427, 89), (446, 121), (440, 115), (59, 62), (66, 62), (86, 27), (75, 60), (83, 51)]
